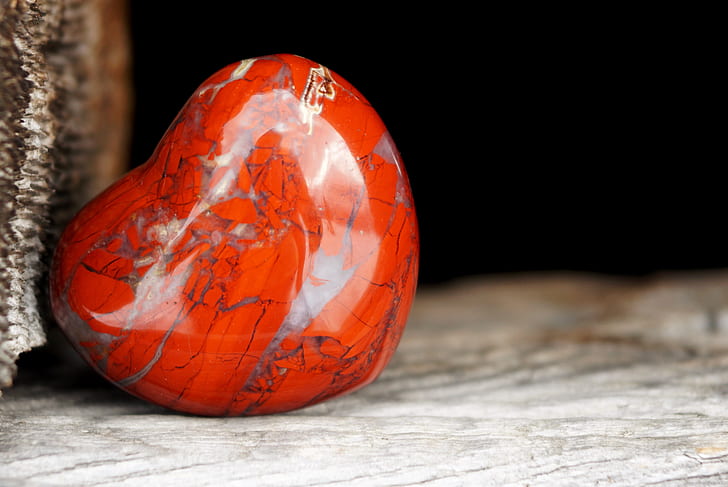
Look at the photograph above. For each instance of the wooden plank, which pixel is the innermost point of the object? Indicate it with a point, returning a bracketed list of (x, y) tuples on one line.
[(520, 380)]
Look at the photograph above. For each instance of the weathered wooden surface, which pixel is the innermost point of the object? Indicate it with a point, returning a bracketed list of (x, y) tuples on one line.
[(560, 380), (64, 117)]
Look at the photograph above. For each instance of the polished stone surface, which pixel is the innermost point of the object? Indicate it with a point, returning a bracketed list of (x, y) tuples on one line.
[(265, 257)]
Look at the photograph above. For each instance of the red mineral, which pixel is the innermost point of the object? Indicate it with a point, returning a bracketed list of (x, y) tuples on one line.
[(264, 259)]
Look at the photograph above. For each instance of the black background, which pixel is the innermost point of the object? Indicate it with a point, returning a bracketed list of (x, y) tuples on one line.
[(534, 140)]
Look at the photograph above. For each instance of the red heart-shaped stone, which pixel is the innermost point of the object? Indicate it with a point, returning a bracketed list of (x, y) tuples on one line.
[(264, 258)]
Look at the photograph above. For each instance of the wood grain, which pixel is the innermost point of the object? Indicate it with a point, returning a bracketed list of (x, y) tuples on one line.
[(510, 380), (64, 126)]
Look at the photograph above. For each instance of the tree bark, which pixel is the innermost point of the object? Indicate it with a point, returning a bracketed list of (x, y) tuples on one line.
[(64, 126)]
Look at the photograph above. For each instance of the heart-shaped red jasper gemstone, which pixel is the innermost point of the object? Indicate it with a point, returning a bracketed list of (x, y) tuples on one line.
[(264, 259)]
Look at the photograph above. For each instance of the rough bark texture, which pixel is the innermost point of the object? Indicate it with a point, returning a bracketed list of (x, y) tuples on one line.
[(524, 380), (64, 111)]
